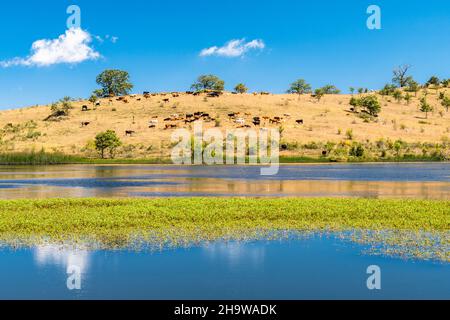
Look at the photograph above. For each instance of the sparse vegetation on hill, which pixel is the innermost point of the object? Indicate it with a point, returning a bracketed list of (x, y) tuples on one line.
[(339, 128), (60, 109)]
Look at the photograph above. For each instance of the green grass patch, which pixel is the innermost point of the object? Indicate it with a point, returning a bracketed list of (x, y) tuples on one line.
[(37, 158), (44, 158), (120, 223)]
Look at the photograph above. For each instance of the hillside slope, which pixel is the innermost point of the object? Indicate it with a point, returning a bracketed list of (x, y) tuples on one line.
[(327, 120)]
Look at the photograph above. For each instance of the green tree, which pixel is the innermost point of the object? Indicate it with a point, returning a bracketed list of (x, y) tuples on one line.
[(355, 103), (318, 94), (330, 89), (208, 82), (425, 106), (371, 105), (107, 141), (93, 99), (408, 98), (433, 81), (400, 75), (397, 95), (388, 90), (413, 86), (446, 83), (114, 83), (352, 90), (446, 103), (240, 88), (300, 87)]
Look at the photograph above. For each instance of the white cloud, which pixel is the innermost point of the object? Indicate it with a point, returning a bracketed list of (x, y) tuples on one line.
[(233, 48), (72, 47)]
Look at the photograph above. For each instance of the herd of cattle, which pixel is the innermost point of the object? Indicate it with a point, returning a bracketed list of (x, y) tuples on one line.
[(174, 121)]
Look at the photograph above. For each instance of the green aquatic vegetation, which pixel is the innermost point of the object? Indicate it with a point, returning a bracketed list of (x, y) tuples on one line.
[(406, 244), (123, 223)]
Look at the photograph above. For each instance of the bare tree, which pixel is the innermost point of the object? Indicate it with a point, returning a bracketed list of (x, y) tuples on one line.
[(400, 75)]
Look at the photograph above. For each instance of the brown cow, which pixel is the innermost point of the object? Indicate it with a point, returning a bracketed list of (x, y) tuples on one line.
[(170, 126), (129, 133)]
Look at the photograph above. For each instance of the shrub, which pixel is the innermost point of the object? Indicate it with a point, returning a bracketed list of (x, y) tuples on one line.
[(349, 134), (357, 150), (425, 106)]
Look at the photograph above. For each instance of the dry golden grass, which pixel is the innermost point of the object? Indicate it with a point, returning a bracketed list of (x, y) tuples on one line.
[(322, 121)]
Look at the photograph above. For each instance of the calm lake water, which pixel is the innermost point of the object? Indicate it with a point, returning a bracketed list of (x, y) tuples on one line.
[(321, 267), (318, 267), (427, 181)]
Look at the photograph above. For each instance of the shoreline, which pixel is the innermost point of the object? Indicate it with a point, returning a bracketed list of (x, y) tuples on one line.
[(31, 159)]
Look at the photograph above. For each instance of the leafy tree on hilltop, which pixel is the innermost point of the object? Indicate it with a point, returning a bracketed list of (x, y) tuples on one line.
[(114, 83), (240, 88), (208, 82), (300, 87), (434, 81), (330, 89), (107, 141)]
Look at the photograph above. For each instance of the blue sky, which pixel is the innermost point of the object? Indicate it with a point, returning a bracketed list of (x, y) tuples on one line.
[(159, 43)]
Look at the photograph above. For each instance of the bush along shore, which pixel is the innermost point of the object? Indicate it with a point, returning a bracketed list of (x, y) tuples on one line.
[(126, 223)]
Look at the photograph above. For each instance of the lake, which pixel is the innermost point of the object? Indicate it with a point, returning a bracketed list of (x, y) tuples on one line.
[(390, 180), (313, 267), (318, 267)]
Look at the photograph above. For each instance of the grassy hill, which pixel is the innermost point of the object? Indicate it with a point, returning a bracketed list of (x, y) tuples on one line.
[(327, 125)]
